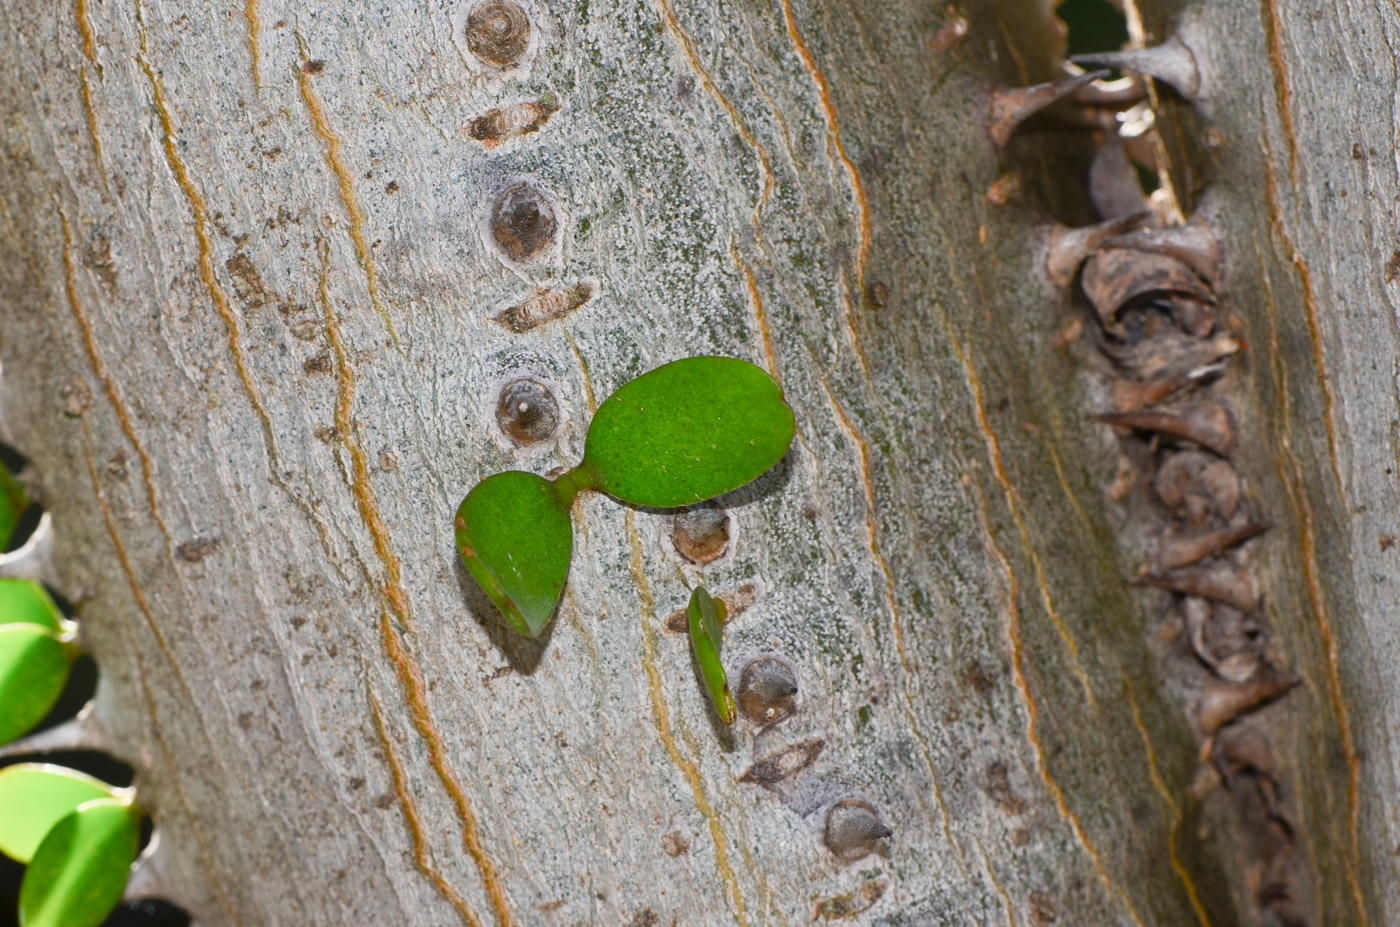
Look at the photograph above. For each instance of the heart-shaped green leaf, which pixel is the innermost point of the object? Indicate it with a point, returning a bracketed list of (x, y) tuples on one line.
[(13, 502), (23, 601), (79, 870), (34, 663), (36, 796), (706, 627), (515, 537), (688, 431)]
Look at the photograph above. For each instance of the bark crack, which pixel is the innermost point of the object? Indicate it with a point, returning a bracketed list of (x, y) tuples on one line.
[(872, 528), (99, 369), (415, 821), (321, 126), (416, 694), (829, 112), (1018, 671)]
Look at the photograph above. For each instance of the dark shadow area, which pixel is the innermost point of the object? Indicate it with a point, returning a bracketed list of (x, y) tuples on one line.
[(79, 690), (1093, 25), (523, 655), (24, 527), (95, 763)]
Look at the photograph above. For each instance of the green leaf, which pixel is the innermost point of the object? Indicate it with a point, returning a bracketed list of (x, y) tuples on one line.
[(515, 537), (79, 870), (688, 431), (706, 630), (13, 502), (34, 664), (23, 601), (36, 796)]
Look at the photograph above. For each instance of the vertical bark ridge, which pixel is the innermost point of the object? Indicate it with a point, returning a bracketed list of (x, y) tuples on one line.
[(1008, 489), (416, 695), (872, 540), (662, 717), (760, 315), (1291, 478), (199, 211), (321, 126), (99, 369), (1013, 630), (1160, 784), (687, 44), (360, 485), (414, 820), (250, 15), (124, 558), (809, 62)]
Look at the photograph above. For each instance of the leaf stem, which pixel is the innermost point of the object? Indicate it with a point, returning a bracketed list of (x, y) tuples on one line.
[(568, 485)]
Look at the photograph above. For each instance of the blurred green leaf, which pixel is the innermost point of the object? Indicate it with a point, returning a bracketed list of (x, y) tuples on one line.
[(80, 869), (13, 502), (514, 535), (34, 664), (688, 431), (24, 601), (36, 796), (706, 630)]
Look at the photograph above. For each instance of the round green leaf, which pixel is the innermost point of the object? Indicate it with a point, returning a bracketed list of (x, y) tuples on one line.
[(79, 870), (34, 665), (515, 537), (36, 796), (23, 601), (688, 431), (706, 627)]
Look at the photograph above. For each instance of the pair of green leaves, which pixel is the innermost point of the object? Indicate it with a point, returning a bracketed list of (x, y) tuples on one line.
[(680, 434), (78, 837), (37, 651)]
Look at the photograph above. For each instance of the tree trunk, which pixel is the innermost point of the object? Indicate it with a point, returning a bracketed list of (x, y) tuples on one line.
[(251, 345)]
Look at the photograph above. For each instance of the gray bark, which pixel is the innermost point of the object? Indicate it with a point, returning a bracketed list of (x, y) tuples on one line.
[(248, 343)]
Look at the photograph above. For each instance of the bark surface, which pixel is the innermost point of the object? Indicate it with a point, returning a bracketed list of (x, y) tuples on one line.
[(249, 341)]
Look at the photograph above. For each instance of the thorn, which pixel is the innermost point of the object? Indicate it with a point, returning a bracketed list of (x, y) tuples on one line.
[(1130, 396), (1009, 107), (1112, 94), (1220, 704), (34, 558), (1236, 589), (1116, 279), (1175, 551), (1194, 244), (1171, 62), (1065, 249), (1208, 424), (1170, 355), (79, 733)]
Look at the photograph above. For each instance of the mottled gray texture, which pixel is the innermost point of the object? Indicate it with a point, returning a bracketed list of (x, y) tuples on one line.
[(934, 557)]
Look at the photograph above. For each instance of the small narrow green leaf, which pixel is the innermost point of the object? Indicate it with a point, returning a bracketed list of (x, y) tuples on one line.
[(80, 868), (36, 796), (688, 431), (34, 664), (13, 502), (515, 537), (23, 601), (706, 630)]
